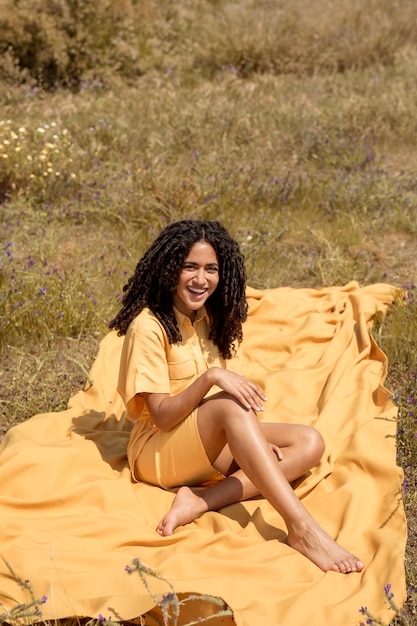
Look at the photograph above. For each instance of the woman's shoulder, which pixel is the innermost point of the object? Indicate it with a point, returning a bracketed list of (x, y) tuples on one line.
[(146, 321)]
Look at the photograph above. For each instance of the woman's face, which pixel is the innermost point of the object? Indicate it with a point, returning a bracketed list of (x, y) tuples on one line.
[(198, 279)]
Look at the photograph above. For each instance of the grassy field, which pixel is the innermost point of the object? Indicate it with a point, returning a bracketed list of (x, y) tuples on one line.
[(294, 122)]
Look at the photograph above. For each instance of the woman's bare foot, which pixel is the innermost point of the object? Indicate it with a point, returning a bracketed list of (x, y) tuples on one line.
[(187, 507), (315, 544), (308, 538)]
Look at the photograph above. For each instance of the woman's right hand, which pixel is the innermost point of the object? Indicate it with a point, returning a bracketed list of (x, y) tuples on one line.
[(246, 392)]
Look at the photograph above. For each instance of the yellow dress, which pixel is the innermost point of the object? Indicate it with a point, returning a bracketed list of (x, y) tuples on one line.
[(150, 364)]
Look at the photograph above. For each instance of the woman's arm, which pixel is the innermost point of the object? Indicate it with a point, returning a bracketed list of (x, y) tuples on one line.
[(168, 411)]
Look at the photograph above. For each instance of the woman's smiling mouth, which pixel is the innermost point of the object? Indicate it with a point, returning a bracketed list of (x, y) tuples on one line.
[(196, 290)]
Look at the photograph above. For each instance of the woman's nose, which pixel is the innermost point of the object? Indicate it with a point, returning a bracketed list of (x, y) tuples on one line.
[(200, 276)]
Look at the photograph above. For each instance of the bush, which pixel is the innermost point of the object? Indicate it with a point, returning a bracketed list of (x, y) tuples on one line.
[(65, 43), (53, 43), (283, 38)]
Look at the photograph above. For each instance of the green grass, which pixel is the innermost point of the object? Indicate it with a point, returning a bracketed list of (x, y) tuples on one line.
[(294, 123)]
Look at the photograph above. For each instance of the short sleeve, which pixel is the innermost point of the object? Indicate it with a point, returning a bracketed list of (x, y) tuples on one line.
[(143, 364)]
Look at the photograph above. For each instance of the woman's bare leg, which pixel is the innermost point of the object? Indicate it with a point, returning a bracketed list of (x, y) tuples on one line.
[(223, 421), (301, 447)]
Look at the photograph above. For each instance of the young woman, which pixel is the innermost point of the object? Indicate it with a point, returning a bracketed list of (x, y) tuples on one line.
[(196, 417)]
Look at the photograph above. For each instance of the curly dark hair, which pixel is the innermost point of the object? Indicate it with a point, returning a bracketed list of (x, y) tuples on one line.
[(156, 276)]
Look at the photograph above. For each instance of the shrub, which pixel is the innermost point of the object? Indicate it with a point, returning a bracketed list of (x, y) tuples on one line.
[(279, 38), (64, 43)]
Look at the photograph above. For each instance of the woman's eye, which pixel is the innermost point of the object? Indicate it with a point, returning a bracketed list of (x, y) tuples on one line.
[(190, 268)]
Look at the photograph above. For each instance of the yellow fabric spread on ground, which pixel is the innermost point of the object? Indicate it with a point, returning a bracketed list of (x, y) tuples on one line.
[(71, 519)]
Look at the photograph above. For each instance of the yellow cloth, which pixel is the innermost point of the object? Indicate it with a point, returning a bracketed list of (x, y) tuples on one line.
[(71, 518)]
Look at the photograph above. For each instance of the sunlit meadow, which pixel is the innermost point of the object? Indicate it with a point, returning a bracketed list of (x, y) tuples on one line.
[(292, 122)]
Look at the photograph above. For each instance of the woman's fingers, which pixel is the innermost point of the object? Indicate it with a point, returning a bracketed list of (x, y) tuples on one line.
[(246, 392), (253, 402), (277, 451), (251, 395)]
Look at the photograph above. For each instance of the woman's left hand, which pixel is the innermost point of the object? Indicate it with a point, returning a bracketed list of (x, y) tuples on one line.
[(277, 451)]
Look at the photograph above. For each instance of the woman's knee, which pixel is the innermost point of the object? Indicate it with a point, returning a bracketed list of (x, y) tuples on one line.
[(312, 444), (223, 407), (217, 415)]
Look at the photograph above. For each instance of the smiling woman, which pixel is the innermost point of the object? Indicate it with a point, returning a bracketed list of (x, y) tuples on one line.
[(182, 315)]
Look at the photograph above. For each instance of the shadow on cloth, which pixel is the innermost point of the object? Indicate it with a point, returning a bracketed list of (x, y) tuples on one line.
[(109, 433)]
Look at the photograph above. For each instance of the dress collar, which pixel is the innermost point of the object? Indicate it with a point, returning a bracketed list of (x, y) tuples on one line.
[(184, 319)]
